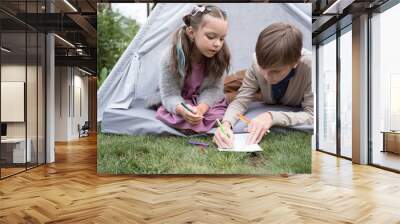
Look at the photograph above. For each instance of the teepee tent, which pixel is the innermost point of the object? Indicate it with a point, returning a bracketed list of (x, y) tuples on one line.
[(136, 74)]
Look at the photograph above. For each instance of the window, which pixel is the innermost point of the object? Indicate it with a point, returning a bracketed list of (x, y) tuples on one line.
[(385, 85), (346, 75), (22, 80), (327, 96)]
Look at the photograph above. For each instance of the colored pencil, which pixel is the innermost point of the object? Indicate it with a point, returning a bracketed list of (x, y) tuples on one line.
[(245, 119), (222, 128), (187, 108)]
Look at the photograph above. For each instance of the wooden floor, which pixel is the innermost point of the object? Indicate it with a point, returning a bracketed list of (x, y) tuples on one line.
[(69, 191), (10, 171)]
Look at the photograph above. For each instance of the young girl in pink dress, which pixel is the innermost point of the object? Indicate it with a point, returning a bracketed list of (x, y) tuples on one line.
[(191, 82)]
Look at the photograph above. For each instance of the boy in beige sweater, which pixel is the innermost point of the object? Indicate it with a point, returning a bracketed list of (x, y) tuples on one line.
[(282, 72)]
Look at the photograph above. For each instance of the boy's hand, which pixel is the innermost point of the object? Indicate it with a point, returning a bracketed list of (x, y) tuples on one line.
[(220, 139), (192, 118), (258, 127)]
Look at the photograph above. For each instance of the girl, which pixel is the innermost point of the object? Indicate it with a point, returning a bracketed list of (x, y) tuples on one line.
[(191, 82)]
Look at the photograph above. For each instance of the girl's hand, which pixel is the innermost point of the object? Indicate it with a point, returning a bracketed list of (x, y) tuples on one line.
[(201, 108), (221, 139), (258, 127), (192, 118)]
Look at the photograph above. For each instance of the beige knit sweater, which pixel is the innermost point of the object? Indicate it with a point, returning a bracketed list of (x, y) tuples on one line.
[(298, 93)]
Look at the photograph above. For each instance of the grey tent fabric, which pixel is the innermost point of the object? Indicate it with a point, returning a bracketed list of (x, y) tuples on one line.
[(140, 120), (136, 120), (136, 74)]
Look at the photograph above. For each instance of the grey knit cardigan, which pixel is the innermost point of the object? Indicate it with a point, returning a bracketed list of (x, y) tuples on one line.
[(210, 92)]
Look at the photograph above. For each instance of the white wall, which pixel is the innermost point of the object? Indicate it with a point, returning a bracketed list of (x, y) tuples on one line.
[(33, 126), (81, 81), (360, 90), (17, 73), (14, 73), (12, 100), (61, 103), (70, 83), (50, 96), (314, 89)]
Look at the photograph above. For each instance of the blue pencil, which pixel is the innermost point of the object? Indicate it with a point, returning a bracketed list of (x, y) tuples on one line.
[(198, 143)]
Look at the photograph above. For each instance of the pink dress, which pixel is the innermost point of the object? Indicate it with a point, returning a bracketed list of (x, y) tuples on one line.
[(190, 94)]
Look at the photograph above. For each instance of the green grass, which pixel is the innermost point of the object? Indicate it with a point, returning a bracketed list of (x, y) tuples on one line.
[(288, 152)]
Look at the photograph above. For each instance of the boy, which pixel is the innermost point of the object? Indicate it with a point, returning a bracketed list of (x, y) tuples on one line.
[(282, 71)]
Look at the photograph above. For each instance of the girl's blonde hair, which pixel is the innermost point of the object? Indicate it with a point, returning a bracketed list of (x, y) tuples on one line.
[(182, 46)]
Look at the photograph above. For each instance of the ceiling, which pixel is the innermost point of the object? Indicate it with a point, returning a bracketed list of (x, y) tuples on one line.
[(330, 15), (74, 22)]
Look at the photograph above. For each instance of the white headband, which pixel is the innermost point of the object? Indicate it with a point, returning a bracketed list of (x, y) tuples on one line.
[(198, 9)]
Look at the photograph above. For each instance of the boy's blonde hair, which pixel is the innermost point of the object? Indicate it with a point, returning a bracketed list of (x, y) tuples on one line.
[(279, 45)]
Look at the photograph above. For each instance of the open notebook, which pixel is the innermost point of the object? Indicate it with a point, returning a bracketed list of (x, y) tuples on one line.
[(239, 145)]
